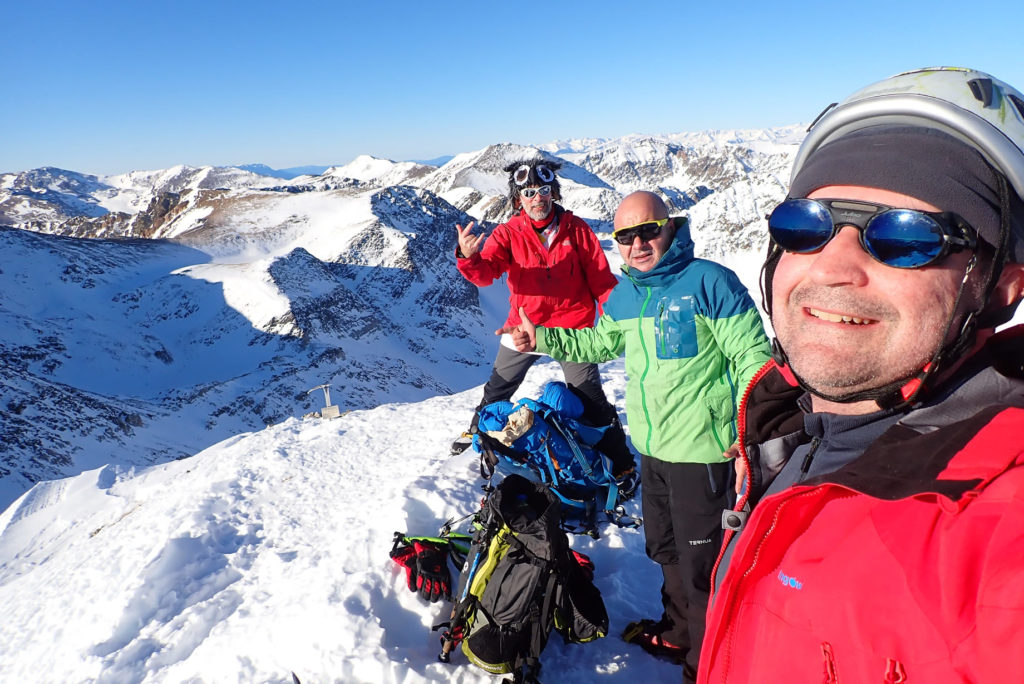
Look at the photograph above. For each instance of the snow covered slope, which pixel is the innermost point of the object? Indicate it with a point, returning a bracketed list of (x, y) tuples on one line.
[(267, 554)]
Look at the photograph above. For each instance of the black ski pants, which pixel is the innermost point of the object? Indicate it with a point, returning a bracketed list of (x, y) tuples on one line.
[(509, 371), (682, 510)]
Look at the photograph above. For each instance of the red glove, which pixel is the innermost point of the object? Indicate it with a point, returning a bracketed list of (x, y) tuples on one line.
[(586, 565), (406, 557)]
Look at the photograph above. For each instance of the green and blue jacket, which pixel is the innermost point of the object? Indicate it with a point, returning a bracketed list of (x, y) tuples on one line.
[(693, 340)]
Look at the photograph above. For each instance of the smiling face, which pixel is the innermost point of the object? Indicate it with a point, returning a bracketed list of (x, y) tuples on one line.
[(849, 323)]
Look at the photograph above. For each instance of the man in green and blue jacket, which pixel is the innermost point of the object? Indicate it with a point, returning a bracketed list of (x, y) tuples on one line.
[(693, 339)]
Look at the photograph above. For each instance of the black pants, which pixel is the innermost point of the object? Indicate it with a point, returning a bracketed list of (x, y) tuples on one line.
[(682, 510), (509, 371)]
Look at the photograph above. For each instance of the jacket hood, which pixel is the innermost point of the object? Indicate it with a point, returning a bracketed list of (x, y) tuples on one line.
[(679, 254)]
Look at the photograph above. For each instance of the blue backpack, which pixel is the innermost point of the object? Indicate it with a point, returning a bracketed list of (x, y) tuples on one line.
[(558, 451)]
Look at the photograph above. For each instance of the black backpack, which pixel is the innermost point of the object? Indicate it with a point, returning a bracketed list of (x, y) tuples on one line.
[(520, 579)]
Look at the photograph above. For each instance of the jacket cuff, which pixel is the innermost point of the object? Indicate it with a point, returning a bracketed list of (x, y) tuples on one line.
[(542, 342)]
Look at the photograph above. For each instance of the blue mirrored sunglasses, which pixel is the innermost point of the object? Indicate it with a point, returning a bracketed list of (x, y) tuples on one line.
[(544, 190), (901, 238)]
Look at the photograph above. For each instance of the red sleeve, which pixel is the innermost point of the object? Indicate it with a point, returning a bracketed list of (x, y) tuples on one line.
[(596, 270)]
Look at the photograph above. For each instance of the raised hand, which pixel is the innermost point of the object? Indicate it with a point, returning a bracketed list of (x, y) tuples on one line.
[(469, 244)]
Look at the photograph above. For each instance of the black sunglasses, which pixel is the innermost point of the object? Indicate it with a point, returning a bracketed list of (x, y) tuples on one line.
[(647, 231), (901, 238)]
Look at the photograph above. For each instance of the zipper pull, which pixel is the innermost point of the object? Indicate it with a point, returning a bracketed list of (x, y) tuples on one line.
[(831, 677), (894, 672), (806, 464), (658, 323)]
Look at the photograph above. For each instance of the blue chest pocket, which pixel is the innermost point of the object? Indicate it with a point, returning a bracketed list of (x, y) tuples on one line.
[(675, 330)]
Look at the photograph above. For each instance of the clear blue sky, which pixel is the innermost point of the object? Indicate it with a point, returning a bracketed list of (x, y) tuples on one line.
[(108, 87)]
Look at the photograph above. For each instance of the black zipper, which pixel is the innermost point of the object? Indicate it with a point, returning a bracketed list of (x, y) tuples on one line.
[(806, 464)]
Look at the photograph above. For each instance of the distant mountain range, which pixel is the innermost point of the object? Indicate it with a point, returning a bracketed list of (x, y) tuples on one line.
[(285, 174), (207, 301), (289, 173)]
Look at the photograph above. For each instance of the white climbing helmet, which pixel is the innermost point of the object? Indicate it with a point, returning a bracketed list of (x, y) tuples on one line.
[(973, 106)]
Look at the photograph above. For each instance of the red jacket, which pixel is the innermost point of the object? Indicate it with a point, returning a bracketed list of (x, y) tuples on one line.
[(560, 286), (906, 565)]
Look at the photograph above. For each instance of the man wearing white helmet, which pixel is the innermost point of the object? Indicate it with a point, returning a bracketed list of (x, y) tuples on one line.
[(883, 446)]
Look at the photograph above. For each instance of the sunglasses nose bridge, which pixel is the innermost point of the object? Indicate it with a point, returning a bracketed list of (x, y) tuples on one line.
[(844, 250), (841, 261)]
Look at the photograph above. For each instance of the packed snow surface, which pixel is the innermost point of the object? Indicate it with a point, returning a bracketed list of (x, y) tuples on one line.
[(267, 554)]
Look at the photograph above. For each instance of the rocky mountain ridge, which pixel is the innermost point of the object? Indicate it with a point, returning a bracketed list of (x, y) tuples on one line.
[(685, 168), (134, 350)]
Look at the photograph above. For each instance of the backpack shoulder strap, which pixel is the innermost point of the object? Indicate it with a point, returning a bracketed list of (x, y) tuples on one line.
[(489, 446)]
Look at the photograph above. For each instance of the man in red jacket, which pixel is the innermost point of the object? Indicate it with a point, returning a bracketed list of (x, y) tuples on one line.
[(883, 446), (558, 273)]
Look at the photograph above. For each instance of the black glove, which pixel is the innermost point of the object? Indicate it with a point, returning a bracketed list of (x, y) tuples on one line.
[(433, 580)]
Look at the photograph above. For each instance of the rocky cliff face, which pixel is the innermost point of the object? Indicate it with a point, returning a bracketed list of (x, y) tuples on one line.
[(135, 350)]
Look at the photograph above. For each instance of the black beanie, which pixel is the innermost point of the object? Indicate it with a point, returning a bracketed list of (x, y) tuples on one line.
[(924, 163)]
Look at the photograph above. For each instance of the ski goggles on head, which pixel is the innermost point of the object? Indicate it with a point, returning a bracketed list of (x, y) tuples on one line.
[(544, 191), (901, 238), (543, 172), (646, 231)]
